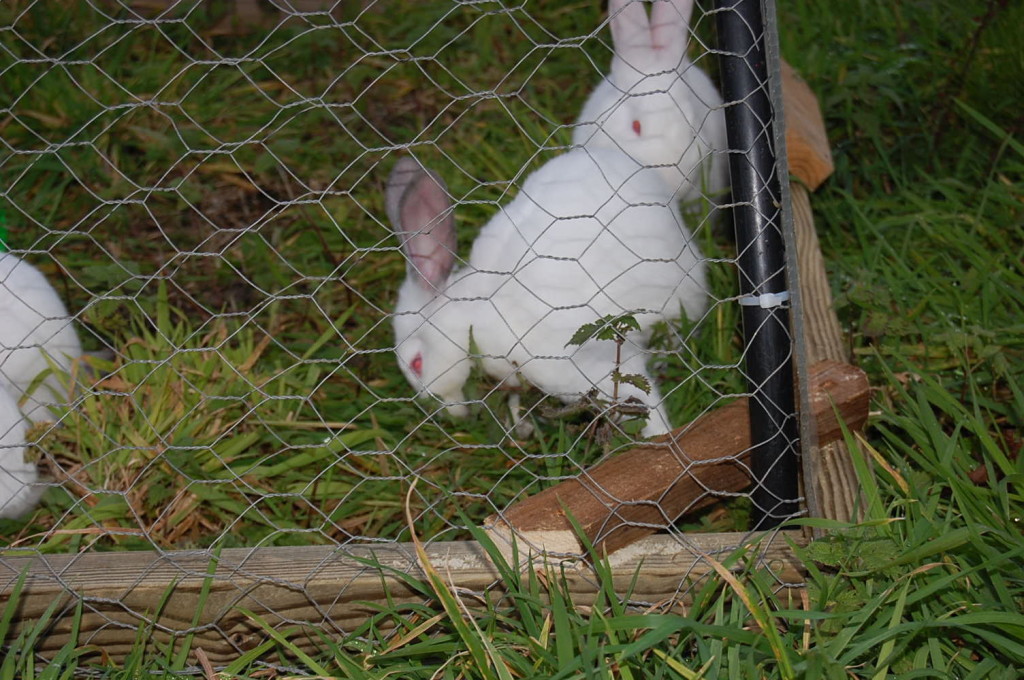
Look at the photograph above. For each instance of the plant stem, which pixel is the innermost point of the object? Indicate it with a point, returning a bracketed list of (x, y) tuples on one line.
[(619, 339)]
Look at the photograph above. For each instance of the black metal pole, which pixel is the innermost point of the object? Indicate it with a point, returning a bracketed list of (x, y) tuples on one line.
[(761, 258)]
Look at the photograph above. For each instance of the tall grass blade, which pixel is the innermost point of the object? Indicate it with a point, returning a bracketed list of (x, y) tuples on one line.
[(474, 645)]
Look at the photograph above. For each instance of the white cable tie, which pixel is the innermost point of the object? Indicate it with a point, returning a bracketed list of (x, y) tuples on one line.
[(765, 300)]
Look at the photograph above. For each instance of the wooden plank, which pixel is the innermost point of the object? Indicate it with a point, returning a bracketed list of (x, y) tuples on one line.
[(824, 336), (807, 149), (305, 591), (648, 487), (836, 492)]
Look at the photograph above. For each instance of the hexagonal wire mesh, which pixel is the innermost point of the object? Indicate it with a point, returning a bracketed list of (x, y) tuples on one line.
[(211, 190)]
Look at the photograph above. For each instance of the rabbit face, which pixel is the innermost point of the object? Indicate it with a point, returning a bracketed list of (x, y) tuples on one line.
[(432, 356), (656, 122)]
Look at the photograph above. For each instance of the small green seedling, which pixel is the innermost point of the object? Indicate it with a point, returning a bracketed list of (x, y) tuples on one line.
[(614, 328)]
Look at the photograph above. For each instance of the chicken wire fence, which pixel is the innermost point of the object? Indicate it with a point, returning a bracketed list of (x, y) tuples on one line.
[(289, 260)]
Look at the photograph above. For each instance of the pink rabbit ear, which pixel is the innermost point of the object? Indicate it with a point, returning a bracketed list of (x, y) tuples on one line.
[(660, 40), (420, 211), (670, 28), (631, 30)]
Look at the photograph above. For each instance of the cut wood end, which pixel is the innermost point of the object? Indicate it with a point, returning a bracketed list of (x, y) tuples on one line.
[(810, 158), (530, 546)]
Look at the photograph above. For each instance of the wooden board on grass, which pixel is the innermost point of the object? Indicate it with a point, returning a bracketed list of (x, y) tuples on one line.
[(634, 493), (228, 603)]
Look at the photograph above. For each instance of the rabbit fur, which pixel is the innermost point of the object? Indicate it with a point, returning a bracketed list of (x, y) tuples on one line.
[(655, 104), (17, 493), (591, 233), (36, 330)]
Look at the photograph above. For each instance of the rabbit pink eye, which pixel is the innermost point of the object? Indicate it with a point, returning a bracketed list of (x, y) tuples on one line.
[(636, 127), (417, 365)]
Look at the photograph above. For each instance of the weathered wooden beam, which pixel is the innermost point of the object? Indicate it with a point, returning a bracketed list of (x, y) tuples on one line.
[(633, 494), (305, 592)]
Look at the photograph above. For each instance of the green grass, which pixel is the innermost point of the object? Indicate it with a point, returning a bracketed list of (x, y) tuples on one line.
[(140, 214)]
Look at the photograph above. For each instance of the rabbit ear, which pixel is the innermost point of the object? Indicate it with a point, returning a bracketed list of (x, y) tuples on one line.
[(670, 28), (631, 30), (420, 211), (662, 38)]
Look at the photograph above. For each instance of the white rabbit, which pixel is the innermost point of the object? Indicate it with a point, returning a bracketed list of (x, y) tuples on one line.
[(655, 104), (590, 234), (17, 495), (35, 327)]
